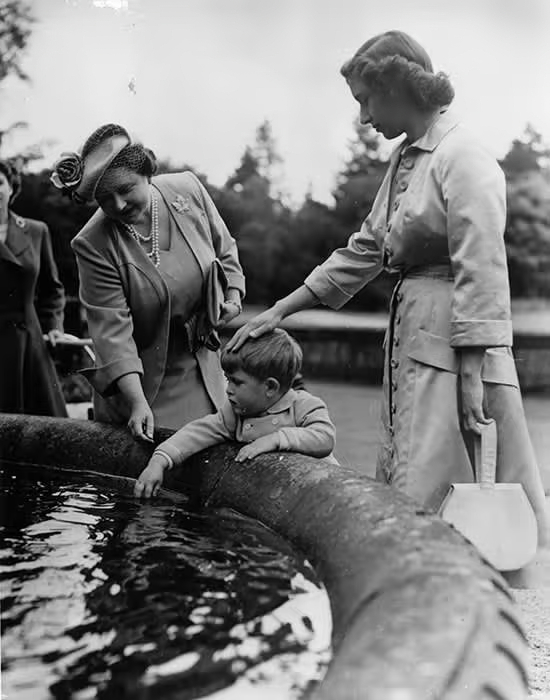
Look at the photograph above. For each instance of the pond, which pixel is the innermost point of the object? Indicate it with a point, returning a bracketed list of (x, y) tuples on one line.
[(106, 597)]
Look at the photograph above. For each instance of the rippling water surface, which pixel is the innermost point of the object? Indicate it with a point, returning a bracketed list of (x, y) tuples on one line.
[(106, 597)]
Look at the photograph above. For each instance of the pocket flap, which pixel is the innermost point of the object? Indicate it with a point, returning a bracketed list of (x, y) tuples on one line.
[(433, 350)]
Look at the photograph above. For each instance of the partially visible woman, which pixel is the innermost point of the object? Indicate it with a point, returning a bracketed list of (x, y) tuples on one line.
[(32, 302), (438, 223), (158, 272)]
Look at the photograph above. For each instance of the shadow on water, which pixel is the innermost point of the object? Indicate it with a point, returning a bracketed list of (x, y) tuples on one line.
[(105, 597)]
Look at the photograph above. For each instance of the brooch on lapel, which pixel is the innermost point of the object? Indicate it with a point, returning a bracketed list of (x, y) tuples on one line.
[(181, 204)]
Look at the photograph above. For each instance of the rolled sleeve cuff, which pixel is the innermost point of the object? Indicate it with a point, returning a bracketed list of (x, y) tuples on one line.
[(481, 333), (166, 456), (236, 280), (284, 442), (102, 378), (170, 452), (325, 289)]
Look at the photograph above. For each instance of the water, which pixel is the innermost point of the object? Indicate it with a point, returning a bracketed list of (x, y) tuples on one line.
[(105, 597)]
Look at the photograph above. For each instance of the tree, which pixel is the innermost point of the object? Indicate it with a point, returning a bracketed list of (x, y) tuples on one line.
[(16, 21), (354, 194), (252, 206), (357, 184), (248, 169), (15, 29), (310, 236), (528, 235), (260, 165), (268, 159), (39, 199), (527, 154)]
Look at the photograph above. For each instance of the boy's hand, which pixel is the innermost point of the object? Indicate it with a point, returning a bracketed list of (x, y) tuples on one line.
[(267, 443), (151, 478)]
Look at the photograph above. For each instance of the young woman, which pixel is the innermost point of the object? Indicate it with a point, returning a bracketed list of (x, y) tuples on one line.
[(438, 223)]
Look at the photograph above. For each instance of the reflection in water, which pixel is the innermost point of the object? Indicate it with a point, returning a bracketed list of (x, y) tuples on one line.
[(105, 597)]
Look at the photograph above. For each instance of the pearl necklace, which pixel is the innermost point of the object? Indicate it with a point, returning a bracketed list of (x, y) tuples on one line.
[(154, 255)]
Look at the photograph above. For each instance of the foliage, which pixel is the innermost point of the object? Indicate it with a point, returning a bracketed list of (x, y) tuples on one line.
[(257, 216), (354, 194), (526, 166), (15, 28), (528, 235), (39, 199), (527, 154), (279, 246), (357, 184)]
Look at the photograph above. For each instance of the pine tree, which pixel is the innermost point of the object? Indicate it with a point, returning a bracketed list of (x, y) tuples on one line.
[(358, 182)]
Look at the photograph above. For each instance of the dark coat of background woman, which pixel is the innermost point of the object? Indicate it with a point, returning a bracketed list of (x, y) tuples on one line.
[(31, 306)]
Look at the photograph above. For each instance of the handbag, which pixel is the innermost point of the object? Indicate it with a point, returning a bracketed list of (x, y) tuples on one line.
[(496, 517), (209, 317)]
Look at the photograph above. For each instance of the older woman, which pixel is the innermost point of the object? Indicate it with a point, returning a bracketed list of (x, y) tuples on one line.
[(158, 271), (438, 222), (32, 300)]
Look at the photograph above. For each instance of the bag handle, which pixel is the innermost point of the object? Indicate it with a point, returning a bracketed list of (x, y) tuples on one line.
[(485, 454)]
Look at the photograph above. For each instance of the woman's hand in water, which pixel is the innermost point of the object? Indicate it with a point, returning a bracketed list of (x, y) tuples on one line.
[(151, 478), (264, 322)]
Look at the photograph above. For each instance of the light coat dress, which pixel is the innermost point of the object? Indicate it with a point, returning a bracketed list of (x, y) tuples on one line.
[(140, 317), (438, 221), (32, 300)]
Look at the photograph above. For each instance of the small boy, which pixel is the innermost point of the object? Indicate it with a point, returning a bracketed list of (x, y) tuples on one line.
[(261, 410)]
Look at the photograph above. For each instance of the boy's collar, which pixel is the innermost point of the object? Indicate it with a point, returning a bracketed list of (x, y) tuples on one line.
[(284, 403)]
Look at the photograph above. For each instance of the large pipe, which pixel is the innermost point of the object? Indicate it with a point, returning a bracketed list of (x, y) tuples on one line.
[(417, 614)]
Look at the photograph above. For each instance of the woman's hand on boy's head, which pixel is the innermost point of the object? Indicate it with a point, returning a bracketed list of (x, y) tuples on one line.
[(264, 322), (151, 478), (267, 443)]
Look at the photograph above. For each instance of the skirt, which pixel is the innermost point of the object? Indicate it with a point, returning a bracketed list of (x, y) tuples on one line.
[(423, 447)]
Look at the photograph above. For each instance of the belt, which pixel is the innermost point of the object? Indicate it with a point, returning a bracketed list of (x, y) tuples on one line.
[(440, 271)]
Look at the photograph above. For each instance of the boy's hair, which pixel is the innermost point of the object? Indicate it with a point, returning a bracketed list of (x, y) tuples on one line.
[(274, 354)]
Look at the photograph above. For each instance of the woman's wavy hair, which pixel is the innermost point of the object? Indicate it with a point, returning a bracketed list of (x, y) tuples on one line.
[(133, 157), (13, 176), (394, 61)]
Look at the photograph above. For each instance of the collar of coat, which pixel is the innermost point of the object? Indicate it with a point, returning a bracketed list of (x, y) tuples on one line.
[(439, 128), (17, 241), (284, 403)]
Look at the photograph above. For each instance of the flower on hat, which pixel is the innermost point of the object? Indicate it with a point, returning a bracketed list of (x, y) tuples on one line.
[(67, 171)]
